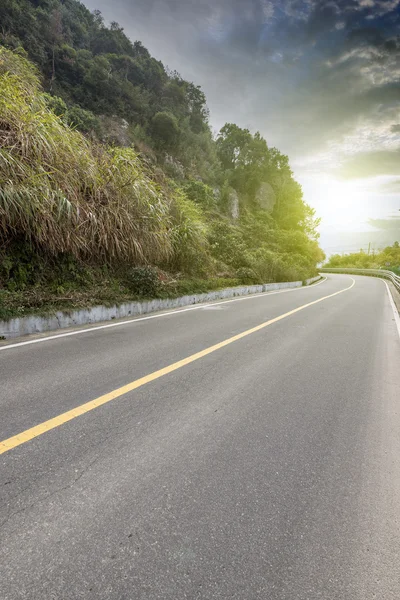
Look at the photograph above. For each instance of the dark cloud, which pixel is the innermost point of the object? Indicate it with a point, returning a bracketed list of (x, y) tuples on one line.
[(294, 69)]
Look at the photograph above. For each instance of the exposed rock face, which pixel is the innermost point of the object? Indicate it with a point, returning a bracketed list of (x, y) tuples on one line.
[(265, 196), (233, 204), (116, 131), (174, 166), (217, 194)]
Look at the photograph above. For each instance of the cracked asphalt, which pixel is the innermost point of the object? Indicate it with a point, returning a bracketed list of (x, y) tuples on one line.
[(268, 469)]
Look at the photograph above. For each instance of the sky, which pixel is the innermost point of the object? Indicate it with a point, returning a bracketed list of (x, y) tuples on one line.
[(319, 79)]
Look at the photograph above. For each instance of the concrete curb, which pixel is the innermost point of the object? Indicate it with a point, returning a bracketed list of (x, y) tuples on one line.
[(34, 324)]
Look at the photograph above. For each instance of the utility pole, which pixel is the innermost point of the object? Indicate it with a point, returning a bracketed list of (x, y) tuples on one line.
[(369, 248)]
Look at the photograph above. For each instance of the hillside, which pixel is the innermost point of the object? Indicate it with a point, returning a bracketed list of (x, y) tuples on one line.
[(110, 176)]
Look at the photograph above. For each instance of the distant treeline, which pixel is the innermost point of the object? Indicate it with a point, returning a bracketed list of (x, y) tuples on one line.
[(388, 258)]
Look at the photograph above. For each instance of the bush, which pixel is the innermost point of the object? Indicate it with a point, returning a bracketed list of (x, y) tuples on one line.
[(83, 120), (55, 104), (227, 243), (247, 276), (165, 129), (73, 116), (200, 193), (144, 281)]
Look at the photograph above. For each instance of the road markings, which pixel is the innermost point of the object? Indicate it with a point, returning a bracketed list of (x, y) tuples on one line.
[(36, 431), (395, 311), (157, 316)]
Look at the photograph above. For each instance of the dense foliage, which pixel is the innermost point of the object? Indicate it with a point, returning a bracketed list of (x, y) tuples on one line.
[(107, 161), (97, 69), (388, 258)]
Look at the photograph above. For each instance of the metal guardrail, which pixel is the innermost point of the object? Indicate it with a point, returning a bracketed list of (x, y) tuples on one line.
[(395, 279)]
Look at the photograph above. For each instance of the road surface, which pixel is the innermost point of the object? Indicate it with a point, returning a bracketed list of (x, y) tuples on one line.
[(263, 464)]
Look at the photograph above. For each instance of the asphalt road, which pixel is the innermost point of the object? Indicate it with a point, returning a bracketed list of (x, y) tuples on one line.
[(267, 468)]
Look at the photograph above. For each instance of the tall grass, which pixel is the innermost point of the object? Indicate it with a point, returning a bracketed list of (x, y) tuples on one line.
[(191, 250), (63, 193)]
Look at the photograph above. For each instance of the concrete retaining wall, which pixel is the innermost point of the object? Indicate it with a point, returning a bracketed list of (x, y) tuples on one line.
[(34, 324)]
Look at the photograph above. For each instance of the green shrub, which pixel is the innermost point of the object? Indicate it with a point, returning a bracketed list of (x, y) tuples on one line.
[(144, 281), (165, 129), (247, 276), (200, 193), (83, 120), (55, 104), (227, 243)]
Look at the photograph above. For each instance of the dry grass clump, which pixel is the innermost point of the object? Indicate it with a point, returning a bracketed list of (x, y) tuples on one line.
[(63, 193)]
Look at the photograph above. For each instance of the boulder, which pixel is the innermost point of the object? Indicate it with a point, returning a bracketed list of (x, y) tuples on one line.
[(233, 204), (265, 196)]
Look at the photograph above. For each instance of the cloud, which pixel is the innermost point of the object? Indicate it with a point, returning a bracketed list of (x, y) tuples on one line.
[(371, 164), (390, 187), (320, 79), (390, 224), (287, 67)]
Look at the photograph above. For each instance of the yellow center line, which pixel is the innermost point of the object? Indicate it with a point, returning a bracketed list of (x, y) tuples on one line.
[(37, 430)]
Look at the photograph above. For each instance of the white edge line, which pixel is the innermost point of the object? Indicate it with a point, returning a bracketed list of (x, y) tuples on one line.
[(164, 314), (395, 311)]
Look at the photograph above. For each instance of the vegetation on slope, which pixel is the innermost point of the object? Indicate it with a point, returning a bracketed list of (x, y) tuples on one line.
[(108, 167), (65, 194), (101, 76)]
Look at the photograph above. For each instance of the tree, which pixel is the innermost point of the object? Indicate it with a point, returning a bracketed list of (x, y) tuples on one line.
[(197, 104), (56, 36), (165, 128), (232, 145)]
